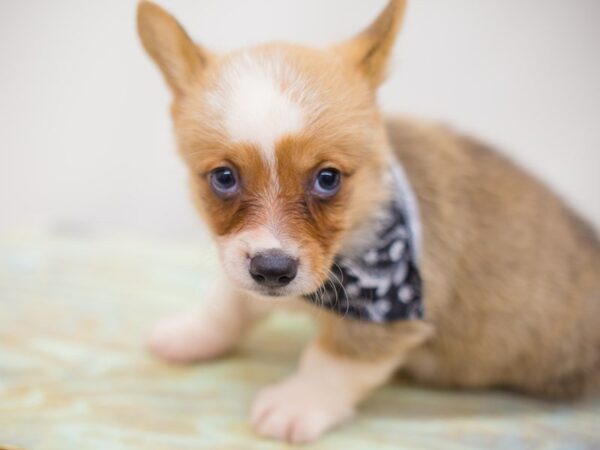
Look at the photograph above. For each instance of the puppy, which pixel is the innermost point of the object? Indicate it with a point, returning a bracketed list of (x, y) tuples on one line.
[(417, 249)]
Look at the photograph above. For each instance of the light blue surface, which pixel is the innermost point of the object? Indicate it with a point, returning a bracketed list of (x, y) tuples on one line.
[(74, 374)]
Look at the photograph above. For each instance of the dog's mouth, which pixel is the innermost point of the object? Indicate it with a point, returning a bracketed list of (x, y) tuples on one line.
[(273, 292), (295, 290)]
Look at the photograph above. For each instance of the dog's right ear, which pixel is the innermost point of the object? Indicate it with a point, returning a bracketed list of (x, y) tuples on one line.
[(180, 60)]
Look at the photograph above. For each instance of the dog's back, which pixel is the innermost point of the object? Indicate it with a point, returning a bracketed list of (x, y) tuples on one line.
[(512, 275)]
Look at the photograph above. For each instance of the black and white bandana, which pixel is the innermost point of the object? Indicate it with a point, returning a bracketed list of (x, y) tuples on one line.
[(382, 284)]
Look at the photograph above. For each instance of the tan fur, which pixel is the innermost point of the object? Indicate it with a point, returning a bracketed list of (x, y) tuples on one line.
[(170, 47), (370, 50), (511, 275)]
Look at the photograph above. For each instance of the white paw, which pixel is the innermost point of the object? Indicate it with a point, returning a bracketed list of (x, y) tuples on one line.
[(190, 338), (298, 411)]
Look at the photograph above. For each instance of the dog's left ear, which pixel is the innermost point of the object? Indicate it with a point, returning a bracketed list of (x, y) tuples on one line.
[(370, 51)]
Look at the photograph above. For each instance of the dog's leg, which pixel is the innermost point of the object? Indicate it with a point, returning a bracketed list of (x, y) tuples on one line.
[(210, 332), (325, 390)]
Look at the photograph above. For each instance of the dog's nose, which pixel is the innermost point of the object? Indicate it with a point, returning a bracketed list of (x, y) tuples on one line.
[(273, 268)]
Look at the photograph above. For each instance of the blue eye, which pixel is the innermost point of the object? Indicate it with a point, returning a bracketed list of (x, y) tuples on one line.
[(327, 183), (224, 182)]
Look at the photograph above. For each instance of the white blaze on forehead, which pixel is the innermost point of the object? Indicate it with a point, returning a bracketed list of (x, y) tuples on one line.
[(260, 113), (254, 106)]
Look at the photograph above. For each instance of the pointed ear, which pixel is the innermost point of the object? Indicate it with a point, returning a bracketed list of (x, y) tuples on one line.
[(179, 59), (370, 51)]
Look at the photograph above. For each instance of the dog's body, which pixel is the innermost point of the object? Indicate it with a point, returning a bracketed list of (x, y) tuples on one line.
[(511, 276), (503, 251)]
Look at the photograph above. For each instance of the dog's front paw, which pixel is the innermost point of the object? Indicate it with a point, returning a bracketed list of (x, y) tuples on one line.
[(298, 411), (190, 338)]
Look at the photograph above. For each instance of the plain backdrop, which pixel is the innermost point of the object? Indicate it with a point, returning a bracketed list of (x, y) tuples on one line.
[(85, 135)]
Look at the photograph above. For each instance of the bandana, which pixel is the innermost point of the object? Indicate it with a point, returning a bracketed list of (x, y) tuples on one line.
[(382, 283)]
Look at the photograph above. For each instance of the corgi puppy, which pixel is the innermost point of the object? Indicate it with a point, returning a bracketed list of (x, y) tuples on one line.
[(418, 250)]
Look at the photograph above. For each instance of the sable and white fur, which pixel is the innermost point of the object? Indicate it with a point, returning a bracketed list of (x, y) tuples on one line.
[(511, 275)]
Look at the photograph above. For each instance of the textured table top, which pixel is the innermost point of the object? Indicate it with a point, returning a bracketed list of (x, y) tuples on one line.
[(74, 374)]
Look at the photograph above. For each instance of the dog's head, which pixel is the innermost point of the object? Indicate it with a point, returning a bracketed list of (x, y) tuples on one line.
[(285, 145)]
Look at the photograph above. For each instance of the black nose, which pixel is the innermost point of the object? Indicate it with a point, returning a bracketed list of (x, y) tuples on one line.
[(273, 268)]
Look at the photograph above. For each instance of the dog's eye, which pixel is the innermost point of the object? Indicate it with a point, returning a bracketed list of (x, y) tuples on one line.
[(327, 183), (224, 182)]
